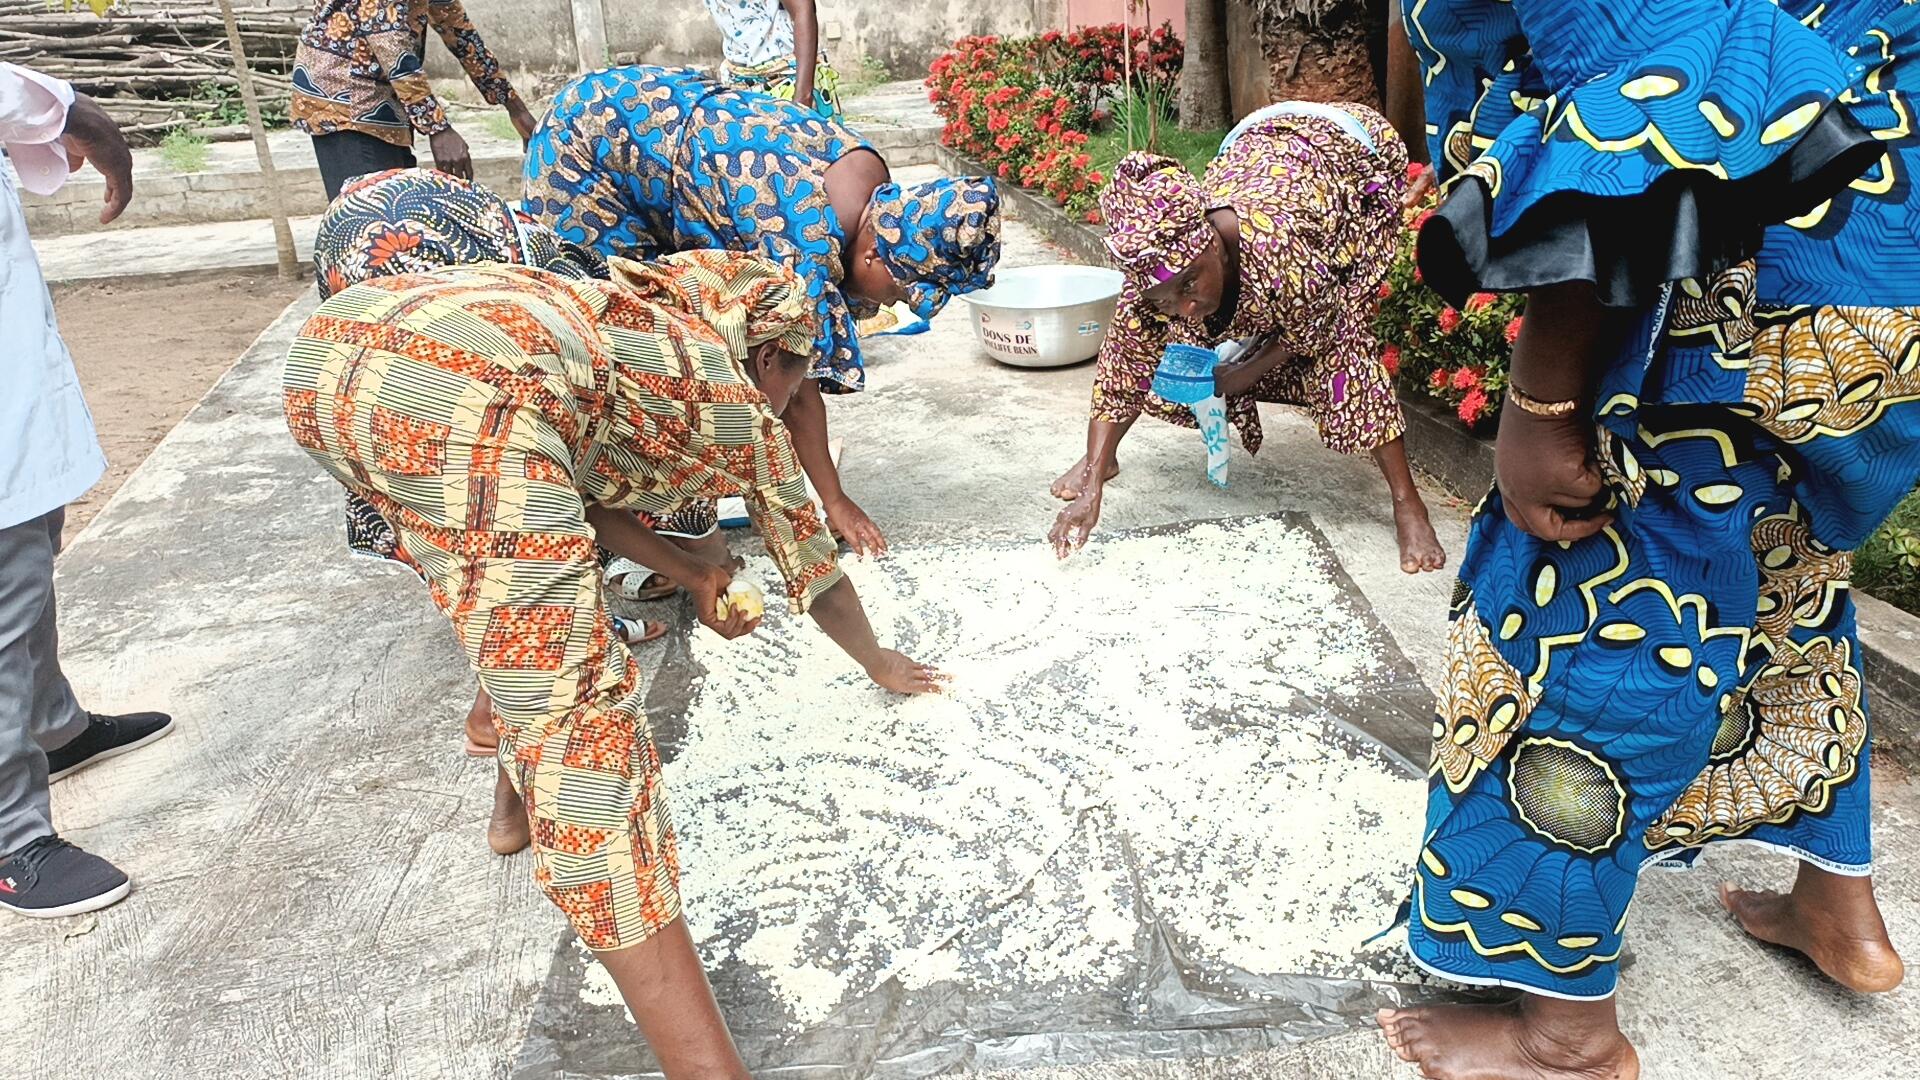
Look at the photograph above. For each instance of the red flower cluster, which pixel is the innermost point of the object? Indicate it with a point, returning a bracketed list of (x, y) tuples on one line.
[(1024, 106), (1474, 408), (1457, 355)]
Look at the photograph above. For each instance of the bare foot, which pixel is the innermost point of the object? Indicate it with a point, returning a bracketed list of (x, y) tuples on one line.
[(1834, 922), (1074, 480), (482, 737), (1420, 549), (507, 828), (1509, 1042)]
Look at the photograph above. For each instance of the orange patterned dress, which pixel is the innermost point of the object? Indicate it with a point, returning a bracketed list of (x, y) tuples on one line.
[(481, 410)]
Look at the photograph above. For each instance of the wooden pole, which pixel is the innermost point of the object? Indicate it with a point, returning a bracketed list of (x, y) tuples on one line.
[(276, 204)]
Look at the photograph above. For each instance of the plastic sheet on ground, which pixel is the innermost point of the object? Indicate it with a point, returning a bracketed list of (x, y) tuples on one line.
[(992, 979)]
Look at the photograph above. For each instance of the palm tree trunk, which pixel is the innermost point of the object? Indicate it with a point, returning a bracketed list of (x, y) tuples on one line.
[(1203, 74)]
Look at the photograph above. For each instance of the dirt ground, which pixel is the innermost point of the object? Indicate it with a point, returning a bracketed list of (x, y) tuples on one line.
[(147, 352)]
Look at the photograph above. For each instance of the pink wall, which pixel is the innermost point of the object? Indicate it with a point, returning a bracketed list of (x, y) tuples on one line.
[(1098, 12)]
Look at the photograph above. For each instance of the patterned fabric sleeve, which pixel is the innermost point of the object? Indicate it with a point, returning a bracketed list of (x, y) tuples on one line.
[(1639, 142), (391, 35), (450, 21), (766, 473), (1350, 397), (1124, 373), (685, 424)]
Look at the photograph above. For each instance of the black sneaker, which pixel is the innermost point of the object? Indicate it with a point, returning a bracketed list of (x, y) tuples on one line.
[(50, 878), (105, 737)]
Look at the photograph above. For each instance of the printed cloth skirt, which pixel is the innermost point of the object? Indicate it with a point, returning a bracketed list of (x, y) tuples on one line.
[(513, 568), (777, 77), (370, 535), (1691, 674)]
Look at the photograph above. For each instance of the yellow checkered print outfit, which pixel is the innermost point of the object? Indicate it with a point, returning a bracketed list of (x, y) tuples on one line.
[(481, 409)]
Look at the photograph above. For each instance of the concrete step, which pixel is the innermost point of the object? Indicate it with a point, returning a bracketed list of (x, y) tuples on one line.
[(230, 188), (895, 117), (175, 251)]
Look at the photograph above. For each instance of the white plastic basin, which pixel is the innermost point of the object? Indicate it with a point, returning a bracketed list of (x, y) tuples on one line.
[(1045, 316)]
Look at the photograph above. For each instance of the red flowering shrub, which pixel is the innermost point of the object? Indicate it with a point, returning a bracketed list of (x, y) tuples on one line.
[(1024, 106), (1457, 356)]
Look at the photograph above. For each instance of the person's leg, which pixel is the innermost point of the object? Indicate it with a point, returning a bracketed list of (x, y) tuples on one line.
[(507, 829), (74, 738), (1809, 696), (1078, 475), (58, 718), (1584, 691), (1534, 1038), (1833, 919), (1420, 548), (666, 989), (40, 875), (481, 732), (30, 687), (343, 155)]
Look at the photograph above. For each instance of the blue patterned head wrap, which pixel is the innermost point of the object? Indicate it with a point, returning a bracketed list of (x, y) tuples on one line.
[(410, 221), (940, 239)]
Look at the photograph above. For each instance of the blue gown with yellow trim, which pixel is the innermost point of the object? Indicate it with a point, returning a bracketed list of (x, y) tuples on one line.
[(1739, 173)]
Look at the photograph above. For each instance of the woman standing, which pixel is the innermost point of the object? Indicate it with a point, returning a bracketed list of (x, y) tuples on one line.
[(503, 419), (640, 161), (773, 47), (1284, 242), (1708, 205)]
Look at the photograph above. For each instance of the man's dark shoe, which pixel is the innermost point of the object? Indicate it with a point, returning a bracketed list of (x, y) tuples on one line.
[(106, 737), (50, 878)]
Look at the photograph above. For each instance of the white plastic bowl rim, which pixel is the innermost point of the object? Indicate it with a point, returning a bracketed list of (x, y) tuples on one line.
[(1053, 285)]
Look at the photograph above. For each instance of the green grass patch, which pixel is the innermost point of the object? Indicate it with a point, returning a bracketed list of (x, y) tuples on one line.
[(1888, 564), (499, 125), (184, 150), (864, 76), (1194, 149)]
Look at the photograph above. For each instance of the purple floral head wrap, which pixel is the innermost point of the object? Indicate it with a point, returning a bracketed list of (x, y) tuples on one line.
[(1156, 217)]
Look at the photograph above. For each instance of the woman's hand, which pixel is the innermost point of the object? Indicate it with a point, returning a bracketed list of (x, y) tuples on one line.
[(902, 675), (1418, 188), (852, 524), (1075, 524), (523, 121), (1548, 483), (707, 585)]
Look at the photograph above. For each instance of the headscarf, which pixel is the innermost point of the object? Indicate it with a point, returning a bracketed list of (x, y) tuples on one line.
[(939, 239), (1156, 217), (408, 221), (746, 300)]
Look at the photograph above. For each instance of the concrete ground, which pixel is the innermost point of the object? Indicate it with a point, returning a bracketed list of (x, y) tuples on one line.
[(313, 896)]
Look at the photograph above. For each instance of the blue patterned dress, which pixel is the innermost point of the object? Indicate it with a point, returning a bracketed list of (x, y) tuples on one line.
[(643, 161), (1741, 175)]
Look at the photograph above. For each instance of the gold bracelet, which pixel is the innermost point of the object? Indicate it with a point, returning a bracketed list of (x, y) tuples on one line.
[(1552, 410)]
